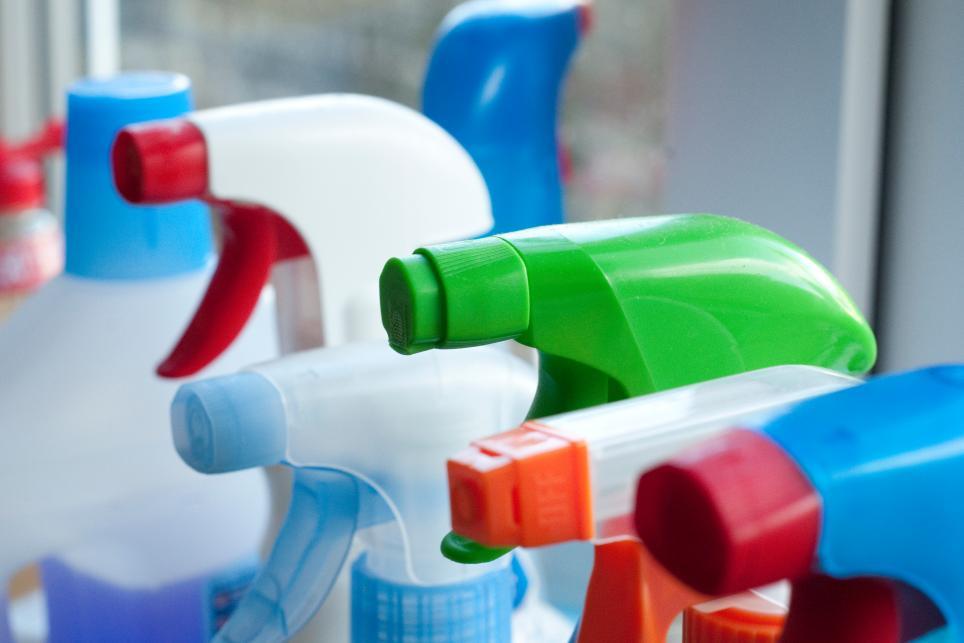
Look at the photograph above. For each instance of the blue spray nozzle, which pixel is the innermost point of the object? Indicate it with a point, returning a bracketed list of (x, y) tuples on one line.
[(229, 423), (106, 237), (493, 81)]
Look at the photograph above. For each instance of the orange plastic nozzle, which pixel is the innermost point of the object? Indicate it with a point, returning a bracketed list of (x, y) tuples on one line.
[(526, 487), (747, 618)]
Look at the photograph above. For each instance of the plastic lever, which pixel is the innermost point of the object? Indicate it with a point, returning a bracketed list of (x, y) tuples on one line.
[(306, 559)]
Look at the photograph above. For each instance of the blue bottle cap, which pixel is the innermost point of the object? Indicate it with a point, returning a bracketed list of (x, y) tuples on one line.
[(106, 237), (229, 423), (474, 611)]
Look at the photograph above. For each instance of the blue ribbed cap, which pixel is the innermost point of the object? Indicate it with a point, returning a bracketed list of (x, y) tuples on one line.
[(475, 611), (106, 237), (229, 423), (493, 82)]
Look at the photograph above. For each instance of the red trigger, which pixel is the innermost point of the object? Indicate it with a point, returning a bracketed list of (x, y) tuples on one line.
[(254, 238)]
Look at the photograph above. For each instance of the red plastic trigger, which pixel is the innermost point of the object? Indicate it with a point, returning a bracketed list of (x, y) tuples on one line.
[(254, 238)]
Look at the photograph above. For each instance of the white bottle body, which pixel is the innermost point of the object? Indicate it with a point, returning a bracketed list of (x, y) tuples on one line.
[(87, 443)]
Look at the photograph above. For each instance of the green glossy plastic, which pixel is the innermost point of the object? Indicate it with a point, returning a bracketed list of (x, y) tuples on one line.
[(627, 307)]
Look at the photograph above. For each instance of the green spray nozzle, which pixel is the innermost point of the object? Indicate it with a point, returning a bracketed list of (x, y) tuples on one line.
[(454, 295), (627, 307)]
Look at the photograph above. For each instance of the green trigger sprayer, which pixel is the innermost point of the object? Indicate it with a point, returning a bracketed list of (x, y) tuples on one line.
[(623, 308)]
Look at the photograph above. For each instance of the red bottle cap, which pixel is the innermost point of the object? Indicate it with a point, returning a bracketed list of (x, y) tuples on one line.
[(160, 162), (732, 514), (21, 184), (21, 175), (853, 610)]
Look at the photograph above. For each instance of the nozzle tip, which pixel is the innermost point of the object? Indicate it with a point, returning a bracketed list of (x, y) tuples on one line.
[(411, 304), (160, 162), (229, 423), (733, 514)]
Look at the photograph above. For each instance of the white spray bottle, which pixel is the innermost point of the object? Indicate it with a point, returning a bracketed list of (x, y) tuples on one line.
[(526, 52), (136, 541), (313, 192), (368, 431)]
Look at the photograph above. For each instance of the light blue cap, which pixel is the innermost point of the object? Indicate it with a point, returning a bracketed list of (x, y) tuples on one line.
[(106, 237), (229, 423), (475, 611)]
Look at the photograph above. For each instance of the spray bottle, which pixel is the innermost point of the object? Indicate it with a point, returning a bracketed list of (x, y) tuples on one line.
[(138, 543), (623, 308), (573, 477), (31, 243), (313, 192), (493, 82), (449, 187), (860, 510), (369, 454)]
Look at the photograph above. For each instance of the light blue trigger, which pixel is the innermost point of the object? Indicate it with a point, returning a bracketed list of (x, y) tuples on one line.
[(327, 507)]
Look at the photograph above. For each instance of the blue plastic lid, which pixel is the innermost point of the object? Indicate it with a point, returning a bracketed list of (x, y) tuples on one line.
[(475, 611), (229, 423), (106, 237), (493, 82)]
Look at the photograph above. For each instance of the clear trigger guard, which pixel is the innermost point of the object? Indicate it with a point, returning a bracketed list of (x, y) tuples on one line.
[(329, 506)]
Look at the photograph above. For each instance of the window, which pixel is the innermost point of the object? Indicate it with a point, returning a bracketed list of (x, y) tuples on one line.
[(242, 50)]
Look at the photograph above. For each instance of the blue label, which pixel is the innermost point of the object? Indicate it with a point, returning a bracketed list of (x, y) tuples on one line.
[(224, 591)]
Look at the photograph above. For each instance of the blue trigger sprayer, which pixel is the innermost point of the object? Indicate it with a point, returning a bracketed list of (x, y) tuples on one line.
[(494, 81)]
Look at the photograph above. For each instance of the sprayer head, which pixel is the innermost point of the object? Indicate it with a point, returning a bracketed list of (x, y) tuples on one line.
[(229, 423), (160, 162), (454, 295), (732, 514)]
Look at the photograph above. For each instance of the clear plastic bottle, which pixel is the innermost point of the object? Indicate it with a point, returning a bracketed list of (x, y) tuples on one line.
[(368, 432)]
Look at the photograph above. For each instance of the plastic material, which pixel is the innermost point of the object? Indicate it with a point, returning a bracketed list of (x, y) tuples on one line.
[(323, 203), (128, 530), (104, 612), (31, 242), (160, 162), (494, 82), (573, 476), (470, 612), (883, 460), (21, 174), (748, 618), (630, 597), (737, 516), (394, 174), (107, 238), (31, 251), (650, 312), (249, 414), (642, 284), (337, 403), (6, 636)]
